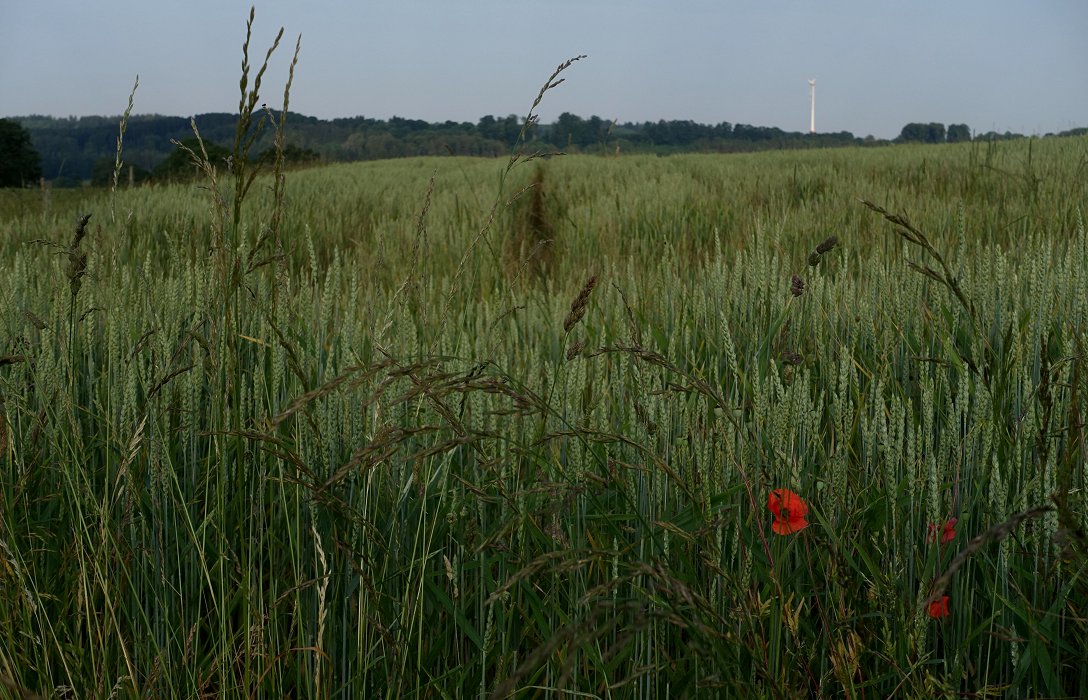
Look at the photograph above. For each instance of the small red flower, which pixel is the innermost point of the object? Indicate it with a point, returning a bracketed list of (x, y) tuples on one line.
[(948, 532), (939, 608), (790, 511)]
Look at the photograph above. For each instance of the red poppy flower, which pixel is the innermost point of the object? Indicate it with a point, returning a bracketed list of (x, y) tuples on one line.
[(939, 608), (789, 510), (948, 532)]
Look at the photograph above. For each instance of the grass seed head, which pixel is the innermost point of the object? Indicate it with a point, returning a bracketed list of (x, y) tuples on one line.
[(77, 258), (33, 319), (578, 306), (827, 244)]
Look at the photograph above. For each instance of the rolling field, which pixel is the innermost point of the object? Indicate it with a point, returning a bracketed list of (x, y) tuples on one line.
[(569, 427)]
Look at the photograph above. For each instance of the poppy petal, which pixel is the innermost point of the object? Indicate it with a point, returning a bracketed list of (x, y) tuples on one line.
[(949, 531), (789, 511), (788, 526), (939, 608), (784, 499), (774, 502)]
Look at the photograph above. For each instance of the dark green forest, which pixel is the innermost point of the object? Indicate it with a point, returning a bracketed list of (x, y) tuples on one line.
[(75, 150)]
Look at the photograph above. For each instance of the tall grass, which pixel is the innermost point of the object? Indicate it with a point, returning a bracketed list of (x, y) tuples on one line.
[(393, 461)]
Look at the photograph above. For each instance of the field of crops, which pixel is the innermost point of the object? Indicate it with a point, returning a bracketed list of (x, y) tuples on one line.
[(697, 426)]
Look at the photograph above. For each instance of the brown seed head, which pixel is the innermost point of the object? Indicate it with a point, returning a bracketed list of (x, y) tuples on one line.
[(81, 231), (828, 243), (578, 306), (77, 259), (797, 286)]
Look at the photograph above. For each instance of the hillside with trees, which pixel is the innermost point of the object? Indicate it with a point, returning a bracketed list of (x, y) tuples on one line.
[(74, 150)]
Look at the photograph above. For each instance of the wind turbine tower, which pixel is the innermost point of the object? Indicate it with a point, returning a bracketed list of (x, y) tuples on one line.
[(812, 100)]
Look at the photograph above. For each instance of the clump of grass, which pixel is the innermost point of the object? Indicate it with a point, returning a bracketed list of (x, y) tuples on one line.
[(531, 242), (517, 157)]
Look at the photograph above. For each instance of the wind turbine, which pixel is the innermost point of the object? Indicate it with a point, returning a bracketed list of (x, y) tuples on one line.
[(812, 114)]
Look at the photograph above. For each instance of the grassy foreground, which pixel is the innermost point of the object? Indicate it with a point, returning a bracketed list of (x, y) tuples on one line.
[(369, 435)]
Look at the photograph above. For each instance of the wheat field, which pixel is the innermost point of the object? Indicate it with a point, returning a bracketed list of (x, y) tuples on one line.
[(696, 426)]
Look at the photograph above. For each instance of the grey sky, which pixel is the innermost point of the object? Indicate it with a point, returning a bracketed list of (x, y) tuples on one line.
[(992, 64)]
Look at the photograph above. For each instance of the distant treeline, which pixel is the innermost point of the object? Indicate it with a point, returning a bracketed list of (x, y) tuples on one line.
[(77, 149)]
